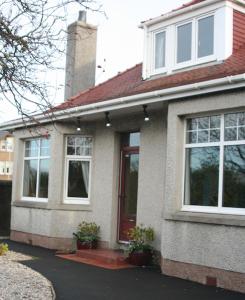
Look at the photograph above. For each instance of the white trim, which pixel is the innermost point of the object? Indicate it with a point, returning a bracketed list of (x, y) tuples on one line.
[(174, 93), (68, 158), (203, 6), (221, 144)]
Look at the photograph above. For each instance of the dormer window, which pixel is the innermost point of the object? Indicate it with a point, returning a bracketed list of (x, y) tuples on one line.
[(184, 43), (187, 38), (205, 36), (160, 49), (195, 41)]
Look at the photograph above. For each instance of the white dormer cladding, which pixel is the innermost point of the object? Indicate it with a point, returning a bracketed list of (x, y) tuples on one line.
[(192, 36)]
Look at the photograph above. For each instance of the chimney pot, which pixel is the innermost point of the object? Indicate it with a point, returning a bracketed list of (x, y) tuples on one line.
[(82, 16)]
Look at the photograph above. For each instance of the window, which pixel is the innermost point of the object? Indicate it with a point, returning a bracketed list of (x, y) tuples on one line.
[(195, 40), (215, 164), (205, 36), (36, 169), (160, 49), (78, 168), (184, 42)]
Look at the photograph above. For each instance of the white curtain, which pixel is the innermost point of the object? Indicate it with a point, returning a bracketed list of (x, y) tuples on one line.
[(85, 170)]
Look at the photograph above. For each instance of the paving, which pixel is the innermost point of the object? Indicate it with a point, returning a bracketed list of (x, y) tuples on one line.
[(72, 280)]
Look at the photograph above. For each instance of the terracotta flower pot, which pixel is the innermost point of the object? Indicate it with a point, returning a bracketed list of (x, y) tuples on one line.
[(140, 258), (86, 245)]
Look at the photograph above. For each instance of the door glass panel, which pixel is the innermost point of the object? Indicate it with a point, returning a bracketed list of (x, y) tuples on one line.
[(131, 184)]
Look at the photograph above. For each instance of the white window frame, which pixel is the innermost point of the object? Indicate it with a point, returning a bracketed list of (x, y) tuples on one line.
[(210, 209), (68, 158), (38, 158), (163, 69), (2, 167), (194, 45)]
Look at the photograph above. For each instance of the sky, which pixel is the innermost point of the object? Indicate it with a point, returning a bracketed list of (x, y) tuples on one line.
[(119, 40)]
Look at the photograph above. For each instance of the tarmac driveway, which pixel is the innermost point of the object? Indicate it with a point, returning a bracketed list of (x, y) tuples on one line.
[(73, 280)]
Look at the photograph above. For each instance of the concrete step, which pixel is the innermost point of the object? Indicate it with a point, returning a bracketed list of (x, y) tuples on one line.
[(114, 257)]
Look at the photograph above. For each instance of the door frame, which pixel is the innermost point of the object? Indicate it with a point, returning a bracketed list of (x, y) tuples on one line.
[(123, 150)]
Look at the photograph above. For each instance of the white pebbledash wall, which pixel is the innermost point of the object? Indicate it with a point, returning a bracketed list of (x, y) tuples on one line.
[(52, 224)]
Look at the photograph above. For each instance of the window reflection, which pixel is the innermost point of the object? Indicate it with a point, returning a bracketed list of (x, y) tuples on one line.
[(202, 176), (234, 176)]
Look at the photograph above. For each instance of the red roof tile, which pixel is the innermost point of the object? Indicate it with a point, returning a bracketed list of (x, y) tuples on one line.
[(130, 82)]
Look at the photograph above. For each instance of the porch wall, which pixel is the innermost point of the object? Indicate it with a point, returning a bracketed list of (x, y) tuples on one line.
[(198, 245), (52, 224)]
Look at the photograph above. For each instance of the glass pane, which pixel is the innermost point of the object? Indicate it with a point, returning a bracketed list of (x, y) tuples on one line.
[(184, 41), (231, 134), (43, 178), (215, 122), (241, 119), (206, 36), (203, 123), (230, 120), (234, 176), (70, 150), (203, 136), (191, 137), (130, 139), (71, 140), (45, 150), (192, 124), (131, 184), (241, 133), (78, 179), (214, 136), (160, 50), (30, 178), (202, 176), (134, 139), (31, 148)]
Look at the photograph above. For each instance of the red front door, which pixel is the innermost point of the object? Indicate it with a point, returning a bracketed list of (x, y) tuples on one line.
[(128, 191)]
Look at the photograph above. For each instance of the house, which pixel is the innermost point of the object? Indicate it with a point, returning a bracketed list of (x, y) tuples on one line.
[(6, 155), (162, 144)]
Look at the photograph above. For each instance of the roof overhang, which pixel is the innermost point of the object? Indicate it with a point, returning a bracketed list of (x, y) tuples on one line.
[(186, 10), (164, 95)]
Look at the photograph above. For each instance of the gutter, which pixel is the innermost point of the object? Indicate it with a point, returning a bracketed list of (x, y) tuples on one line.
[(175, 93)]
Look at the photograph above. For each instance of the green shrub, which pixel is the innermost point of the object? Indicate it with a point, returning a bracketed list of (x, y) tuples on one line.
[(3, 248), (87, 232)]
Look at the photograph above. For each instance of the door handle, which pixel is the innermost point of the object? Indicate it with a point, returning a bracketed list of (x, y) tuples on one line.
[(131, 220)]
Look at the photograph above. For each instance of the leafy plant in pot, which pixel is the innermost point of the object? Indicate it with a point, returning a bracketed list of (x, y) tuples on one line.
[(87, 235), (140, 251)]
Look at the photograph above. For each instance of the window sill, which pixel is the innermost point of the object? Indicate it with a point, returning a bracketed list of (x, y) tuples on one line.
[(74, 207), (30, 204), (207, 218)]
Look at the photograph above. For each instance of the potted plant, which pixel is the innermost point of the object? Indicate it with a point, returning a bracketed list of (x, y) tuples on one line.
[(140, 251), (87, 235)]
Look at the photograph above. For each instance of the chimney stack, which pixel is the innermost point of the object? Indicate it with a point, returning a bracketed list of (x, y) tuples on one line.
[(80, 56)]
